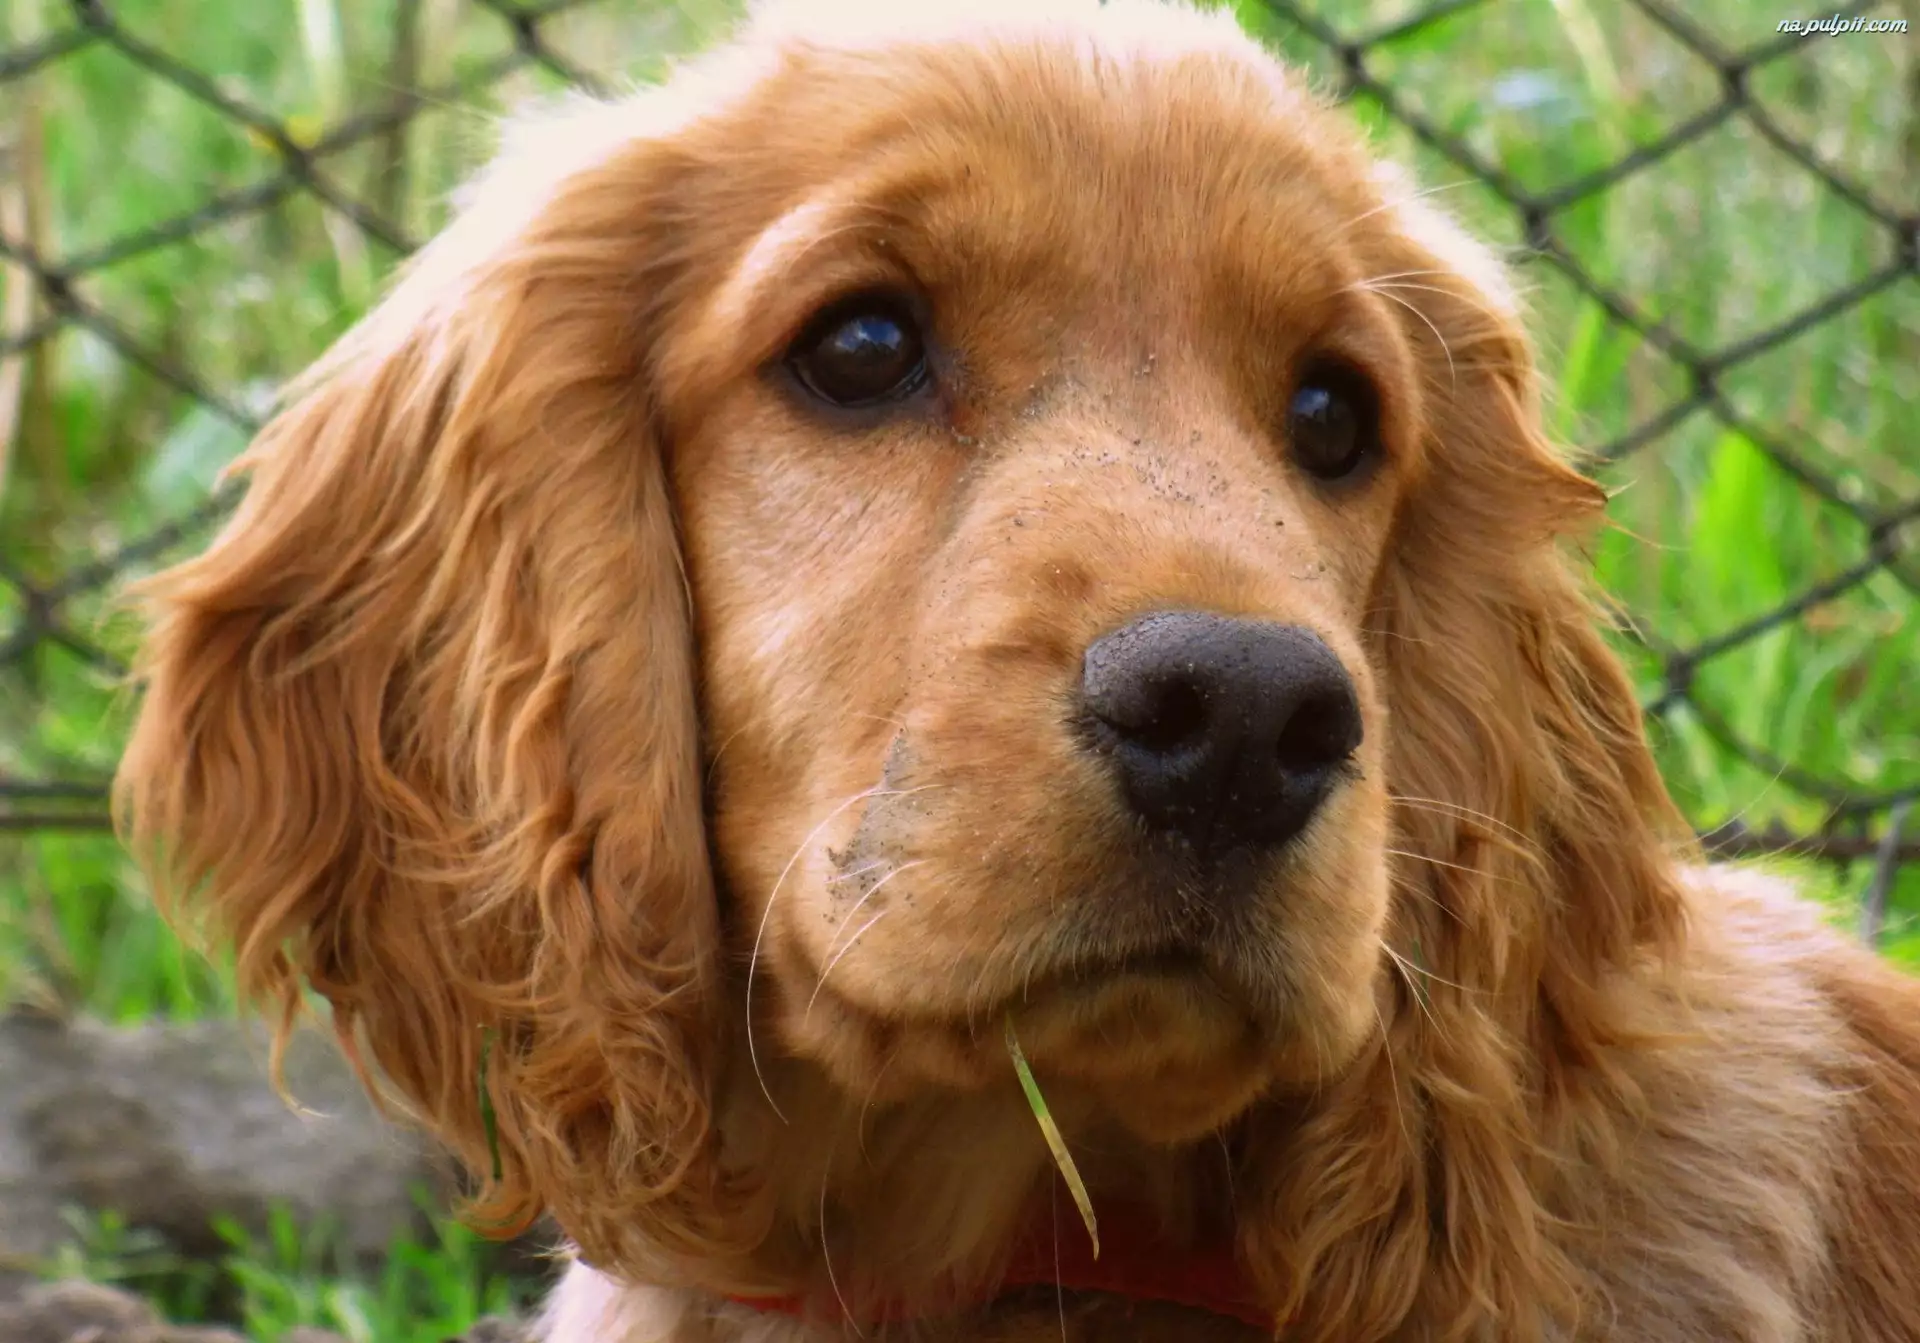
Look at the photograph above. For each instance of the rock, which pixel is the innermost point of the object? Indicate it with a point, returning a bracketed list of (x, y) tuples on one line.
[(173, 1125), (84, 1312)]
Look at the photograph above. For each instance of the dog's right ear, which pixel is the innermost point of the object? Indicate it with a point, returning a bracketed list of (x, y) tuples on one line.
[(419, 728)]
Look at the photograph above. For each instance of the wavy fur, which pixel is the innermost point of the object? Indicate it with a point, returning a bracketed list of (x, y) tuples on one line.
[(566, 682)]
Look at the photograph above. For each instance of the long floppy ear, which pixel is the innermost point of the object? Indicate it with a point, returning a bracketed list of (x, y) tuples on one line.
[(1534, 859), (1517, 734), (419, 728)]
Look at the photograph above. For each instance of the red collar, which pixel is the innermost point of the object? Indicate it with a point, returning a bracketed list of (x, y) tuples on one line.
[(1134, 1264)]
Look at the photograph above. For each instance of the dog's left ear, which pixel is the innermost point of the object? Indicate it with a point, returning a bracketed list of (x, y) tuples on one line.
[(1515, 725)]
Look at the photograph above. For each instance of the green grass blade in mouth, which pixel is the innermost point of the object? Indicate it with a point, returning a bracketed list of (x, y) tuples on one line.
[(1051, 1132)]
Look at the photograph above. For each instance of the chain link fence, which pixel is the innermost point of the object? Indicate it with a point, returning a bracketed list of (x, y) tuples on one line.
[(193, 203)]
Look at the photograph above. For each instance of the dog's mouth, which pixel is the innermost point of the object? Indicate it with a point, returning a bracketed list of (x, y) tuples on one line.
[(1080, 984), (1156, 949), (1167, 1042), (1173, 961), (1077, 983), (1109, 996), (1169, 1038), (1107, 1015)]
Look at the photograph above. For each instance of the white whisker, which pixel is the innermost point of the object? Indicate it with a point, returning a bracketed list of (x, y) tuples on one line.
[(766, 915), (1377, 285), (1453, 373), (826, 1256), (1404, 198), (1406, 275), (1419, 994), (833, 956), (1437, 862), (713, 761), (1393, 1073), (1421, 970), (858, 933), (866, 1105), (1457, 809)]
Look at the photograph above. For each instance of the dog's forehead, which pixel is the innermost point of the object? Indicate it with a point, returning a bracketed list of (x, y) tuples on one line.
[(1066, 94), (1138, 70), (1133, 138)]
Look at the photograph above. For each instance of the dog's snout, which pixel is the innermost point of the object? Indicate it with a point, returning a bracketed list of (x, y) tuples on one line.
[(1227, 732)]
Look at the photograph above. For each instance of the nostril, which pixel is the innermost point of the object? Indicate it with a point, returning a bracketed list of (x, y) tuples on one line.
[(1323, 730), (1175, 714), (1153, 703)]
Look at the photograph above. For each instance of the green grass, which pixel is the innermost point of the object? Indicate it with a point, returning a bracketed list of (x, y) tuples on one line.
[(268, 1285), (1717, 242)]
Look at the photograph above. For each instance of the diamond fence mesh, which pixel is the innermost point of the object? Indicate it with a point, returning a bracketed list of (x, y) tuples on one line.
[(1717, 219)]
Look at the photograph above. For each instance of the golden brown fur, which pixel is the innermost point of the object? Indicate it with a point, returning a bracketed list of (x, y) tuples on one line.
[(566, 683)]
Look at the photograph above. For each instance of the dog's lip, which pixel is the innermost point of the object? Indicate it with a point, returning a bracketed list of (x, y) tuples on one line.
[(1091, 973), (1173, 959), (1065, 981)]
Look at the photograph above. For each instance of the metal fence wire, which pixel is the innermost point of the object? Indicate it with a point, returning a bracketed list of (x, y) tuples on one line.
[(343, 162)]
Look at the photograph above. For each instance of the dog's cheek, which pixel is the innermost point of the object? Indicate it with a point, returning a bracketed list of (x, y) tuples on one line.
[(1333, 937)]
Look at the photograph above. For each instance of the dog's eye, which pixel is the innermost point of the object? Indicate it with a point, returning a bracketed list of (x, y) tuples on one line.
[(861, 351), (1333, 421)]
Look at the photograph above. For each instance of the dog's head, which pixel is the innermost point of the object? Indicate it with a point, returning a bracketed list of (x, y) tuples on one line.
[(892, 532)]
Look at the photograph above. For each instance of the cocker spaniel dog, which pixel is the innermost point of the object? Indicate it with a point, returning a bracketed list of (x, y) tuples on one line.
[(922, 533)]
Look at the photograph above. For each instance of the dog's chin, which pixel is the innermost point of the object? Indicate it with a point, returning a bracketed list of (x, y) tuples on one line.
[(1167, 1048)]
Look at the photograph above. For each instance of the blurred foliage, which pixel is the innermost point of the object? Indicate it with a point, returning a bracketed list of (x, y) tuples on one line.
[(292, 1277)]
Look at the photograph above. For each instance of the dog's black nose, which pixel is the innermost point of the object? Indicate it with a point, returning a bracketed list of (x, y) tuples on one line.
[(1228, 732)]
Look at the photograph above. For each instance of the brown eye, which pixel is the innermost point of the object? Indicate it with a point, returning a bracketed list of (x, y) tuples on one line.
[(1333, 421), (861, 351)]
